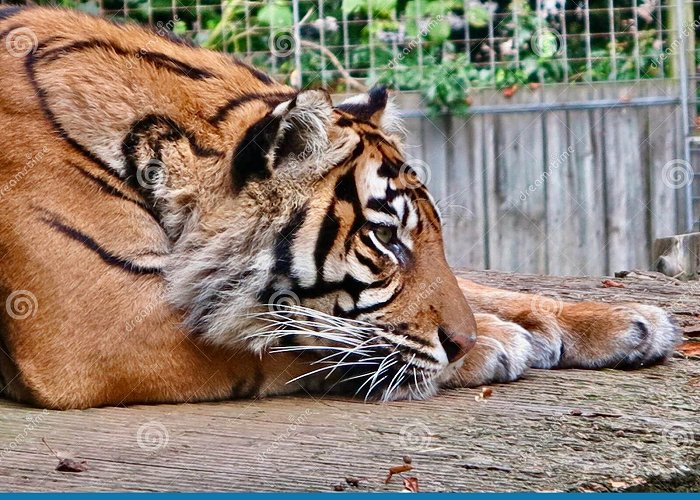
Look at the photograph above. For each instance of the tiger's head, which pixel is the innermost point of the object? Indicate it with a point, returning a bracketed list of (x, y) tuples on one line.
[(333, 249)]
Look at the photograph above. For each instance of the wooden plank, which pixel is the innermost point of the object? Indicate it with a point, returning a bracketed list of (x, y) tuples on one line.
[(463, 214), (518, 224), (598, 213), (527, 436), (435, 134), (574, 191), (626, 204)]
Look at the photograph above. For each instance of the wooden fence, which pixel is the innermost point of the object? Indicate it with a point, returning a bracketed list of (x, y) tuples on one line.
[(582, 188)]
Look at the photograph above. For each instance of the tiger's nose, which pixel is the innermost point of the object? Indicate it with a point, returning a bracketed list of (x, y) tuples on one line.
[(455, 344)]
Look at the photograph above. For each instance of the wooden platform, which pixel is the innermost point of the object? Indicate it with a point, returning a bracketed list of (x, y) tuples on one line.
[(555, 430)]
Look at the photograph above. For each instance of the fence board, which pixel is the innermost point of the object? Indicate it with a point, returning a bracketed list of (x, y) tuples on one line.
[(463, 211), (597, 211), (519, 224)]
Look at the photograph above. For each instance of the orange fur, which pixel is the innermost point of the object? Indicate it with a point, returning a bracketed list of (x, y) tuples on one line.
[(103, 330)]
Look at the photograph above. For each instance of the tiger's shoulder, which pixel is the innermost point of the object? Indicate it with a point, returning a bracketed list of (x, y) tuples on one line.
[(52, 33)]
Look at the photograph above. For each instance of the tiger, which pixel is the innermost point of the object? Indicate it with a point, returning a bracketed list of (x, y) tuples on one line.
[(177, 226)]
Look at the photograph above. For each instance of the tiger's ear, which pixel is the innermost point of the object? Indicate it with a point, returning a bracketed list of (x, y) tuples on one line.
[(294, 133), (302, 133), (375, 107)]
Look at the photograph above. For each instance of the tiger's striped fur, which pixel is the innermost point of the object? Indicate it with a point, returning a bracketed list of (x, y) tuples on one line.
[(184, 228)]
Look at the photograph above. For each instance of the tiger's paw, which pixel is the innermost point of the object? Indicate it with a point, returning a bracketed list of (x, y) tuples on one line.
[(502, 353), (625, 336), (651, 337)]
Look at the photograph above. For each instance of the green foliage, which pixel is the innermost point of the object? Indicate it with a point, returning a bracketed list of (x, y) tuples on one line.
[(417, 44)]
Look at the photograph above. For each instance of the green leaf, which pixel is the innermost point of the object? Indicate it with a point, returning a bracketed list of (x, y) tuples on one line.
[(478, 16), (275, 15), (438, 31), (351, 6)]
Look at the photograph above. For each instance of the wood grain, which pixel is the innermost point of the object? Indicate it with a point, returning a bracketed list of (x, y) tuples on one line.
[(552, 430)]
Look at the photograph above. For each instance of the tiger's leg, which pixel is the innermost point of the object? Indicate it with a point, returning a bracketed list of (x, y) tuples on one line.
[(517, 330)]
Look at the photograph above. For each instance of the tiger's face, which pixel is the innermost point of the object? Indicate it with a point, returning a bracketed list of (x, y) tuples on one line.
[(360, 286), (327, 245)]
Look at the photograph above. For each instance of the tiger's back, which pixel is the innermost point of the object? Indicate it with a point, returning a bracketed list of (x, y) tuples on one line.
[(158, 200), (99, 261)]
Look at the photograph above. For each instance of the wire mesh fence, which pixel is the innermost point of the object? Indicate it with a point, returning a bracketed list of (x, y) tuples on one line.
[(416, 44), (445, 48)]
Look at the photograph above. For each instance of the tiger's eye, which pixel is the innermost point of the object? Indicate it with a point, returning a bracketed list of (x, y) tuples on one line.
[(384, 234)]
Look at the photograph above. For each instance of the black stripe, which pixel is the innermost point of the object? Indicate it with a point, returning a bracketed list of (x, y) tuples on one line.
[(381, 206), (375, 307), (391, 171), (346, 190), (403, 330), (404, 219), (173, 131), (105, 255), (283, 247), (41, 96), (138, 132), (160, 61), (8, 12), (368, 263), (105, 186), (327, 235), (250, 161), (272, 98), (113, 191), (408, 351), (376, 101), (256, 73)]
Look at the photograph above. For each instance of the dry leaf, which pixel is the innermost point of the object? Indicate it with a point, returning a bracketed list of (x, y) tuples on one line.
[(66, 464), (398, 469), (612, 284), (353, 481), (690, 349), (508, 92), (486, 392), (410, 484), (70, 465)]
